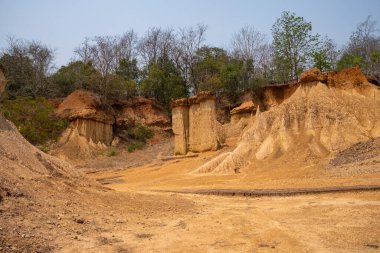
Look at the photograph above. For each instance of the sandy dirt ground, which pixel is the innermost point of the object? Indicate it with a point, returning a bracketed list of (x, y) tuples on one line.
[(178, 174), (326, 223), (332, 222), (132, 214)]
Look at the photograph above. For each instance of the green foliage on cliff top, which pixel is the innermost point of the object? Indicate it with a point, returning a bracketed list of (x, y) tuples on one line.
[(33, 118)]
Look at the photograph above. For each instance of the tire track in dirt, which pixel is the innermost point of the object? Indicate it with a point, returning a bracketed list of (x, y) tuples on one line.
[(279, 192)]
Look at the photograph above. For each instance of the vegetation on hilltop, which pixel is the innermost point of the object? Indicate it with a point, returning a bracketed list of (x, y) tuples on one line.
[(167, 64), (33, 118)]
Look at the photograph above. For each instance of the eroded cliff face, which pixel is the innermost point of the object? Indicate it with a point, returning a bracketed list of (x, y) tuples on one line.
[(94, 124), (194, 124), (327, 113), (90, 129), (140, 110), (246, 110)]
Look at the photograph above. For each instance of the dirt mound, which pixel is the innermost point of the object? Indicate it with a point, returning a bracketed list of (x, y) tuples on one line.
[(48, 206), (21, 159), (29, 180), (318, 120)]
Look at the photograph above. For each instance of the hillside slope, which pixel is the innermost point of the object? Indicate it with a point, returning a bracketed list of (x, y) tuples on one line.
[(318, 121)]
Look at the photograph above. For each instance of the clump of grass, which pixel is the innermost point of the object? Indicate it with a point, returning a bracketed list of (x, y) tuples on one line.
[(135, 146), (111, 151), (140, 133)]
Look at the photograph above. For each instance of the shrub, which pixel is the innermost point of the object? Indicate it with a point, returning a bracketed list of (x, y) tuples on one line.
[(135, 145), (140, 133), (34, 119), (111, 152)]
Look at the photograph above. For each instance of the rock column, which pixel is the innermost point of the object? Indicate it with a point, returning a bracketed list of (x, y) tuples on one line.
[(206, 131), (180, 121), (194, 124)]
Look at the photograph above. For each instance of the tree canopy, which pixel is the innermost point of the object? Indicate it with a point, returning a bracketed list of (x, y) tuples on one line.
[(167, 64), (293, 45)]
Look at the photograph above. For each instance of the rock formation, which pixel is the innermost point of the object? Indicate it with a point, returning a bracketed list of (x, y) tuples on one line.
[(140, 110), (180, 125), (318, 119), (273, 95), (194, 124), (245, 110), (90, 128)]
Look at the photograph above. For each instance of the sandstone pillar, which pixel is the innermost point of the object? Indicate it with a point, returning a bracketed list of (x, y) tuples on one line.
[(194, 125), (207, 132), (180, 125)]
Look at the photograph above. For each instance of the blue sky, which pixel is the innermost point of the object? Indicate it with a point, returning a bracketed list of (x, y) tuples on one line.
[(63, 24)]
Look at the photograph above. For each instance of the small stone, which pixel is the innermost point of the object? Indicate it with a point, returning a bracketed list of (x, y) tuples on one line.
[(119, 221), (79, 220)]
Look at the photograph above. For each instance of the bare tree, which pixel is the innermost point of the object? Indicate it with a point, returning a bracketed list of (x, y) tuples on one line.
[(365, 43), (83, 51), (106, 52), (364, 39), (251, 45), (190, 40), (127, 46), (30, 63), (157, 44)]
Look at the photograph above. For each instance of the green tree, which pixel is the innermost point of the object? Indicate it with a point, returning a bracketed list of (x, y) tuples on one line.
[(76, 75), (363, 48), (349, 60), (128, 69), (163, 82), (19, 72), (321, 61), (209, 64), (33, 118), (325, 57), (120, 88), (27, 66), (232, 79), (293, 45)]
